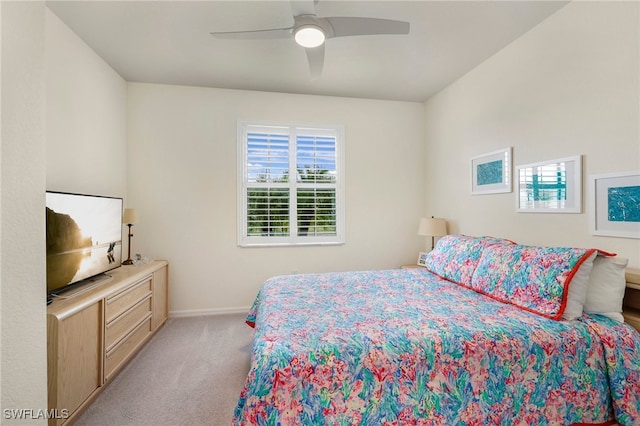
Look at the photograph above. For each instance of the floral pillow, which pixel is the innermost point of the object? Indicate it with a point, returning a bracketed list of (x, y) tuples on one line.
[(456, 257), (531, 277)]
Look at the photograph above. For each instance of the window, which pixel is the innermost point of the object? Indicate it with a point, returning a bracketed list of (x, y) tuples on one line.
[(290, 185)]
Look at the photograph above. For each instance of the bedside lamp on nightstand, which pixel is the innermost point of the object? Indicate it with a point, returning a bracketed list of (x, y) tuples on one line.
[(432, 227), (129, 218)]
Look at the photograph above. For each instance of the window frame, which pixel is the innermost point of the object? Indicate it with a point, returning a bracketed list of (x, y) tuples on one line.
[(244, 127)]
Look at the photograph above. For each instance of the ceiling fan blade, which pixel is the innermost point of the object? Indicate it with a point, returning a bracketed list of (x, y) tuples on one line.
[(255, 34), (353, 26), (315, 56), (303, 7)]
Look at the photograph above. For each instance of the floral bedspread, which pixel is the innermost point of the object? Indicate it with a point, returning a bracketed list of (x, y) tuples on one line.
[(404, 347)]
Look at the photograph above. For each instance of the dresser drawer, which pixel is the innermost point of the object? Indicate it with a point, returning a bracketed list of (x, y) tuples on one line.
[(121, 351), (125, 323), (124, 300)]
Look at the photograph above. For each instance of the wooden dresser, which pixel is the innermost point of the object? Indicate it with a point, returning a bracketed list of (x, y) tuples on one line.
[(631, 308), (92, 335)]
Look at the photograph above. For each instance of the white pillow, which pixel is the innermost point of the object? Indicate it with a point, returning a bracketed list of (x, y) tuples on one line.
[(578, 289), (605, 290)]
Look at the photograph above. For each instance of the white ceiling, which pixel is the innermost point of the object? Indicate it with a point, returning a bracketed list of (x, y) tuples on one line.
[(169, 42)]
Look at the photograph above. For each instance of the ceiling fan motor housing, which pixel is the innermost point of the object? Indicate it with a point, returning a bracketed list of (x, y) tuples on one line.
[(311, 31)]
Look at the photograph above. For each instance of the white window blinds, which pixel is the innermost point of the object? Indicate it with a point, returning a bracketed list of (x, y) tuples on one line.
[(290, 188)]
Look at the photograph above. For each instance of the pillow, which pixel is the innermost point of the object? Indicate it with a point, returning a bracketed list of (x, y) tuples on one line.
[(488, 240), (533, 278), (577, 293), (606, 287), (455, 257)]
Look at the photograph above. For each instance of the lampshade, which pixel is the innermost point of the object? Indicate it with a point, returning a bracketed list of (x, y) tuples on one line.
[(130, 216), (309, 35), (432, 227)]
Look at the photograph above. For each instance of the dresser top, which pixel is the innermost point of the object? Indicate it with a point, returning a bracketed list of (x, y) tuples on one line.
[(74, 300)]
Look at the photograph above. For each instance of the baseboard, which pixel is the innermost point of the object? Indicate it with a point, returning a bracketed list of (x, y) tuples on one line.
[(214, 311)]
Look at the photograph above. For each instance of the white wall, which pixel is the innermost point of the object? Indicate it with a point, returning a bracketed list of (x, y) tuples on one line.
[(23, 361), (182, 180), (63, 128), (569, 86), (86, 117)]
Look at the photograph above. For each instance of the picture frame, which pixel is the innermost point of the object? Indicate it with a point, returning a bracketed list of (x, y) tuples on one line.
[(491, 172), (422, 258), (614, 204), (552, 186)]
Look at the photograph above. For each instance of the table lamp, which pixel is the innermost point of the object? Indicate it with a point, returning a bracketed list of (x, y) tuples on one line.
[(129, 218), (432, 227)]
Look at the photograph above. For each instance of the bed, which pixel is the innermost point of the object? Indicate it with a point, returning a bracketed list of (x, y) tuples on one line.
[(486, 334)]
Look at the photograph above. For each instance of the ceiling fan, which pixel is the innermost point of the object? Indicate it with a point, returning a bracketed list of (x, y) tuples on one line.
[(310, 31)]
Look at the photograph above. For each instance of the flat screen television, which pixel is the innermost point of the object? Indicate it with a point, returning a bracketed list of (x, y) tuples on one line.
[(84, 238)]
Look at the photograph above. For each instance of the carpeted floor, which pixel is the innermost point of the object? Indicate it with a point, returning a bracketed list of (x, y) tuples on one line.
[(190, 373)]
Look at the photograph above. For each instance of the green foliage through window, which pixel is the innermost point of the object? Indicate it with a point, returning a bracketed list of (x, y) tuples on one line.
[(290, 190)]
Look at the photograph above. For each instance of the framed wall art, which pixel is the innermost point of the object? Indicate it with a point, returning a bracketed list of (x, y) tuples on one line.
[(491, 172), (614, 205), (553, 186)]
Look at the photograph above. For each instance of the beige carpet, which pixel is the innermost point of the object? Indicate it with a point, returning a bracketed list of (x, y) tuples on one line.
[(190, 373)]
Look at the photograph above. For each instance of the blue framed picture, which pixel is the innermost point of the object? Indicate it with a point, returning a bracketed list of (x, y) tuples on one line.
[(491, 172), (615, 204)]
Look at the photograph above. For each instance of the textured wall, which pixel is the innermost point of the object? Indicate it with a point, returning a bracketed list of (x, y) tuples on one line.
[(183, 173), (570, 86), (23, 362)]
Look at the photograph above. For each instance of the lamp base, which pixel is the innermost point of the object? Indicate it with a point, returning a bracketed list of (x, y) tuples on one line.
[(128, 262)]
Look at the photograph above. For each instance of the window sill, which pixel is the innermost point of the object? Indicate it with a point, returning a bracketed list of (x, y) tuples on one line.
[(309, 244)]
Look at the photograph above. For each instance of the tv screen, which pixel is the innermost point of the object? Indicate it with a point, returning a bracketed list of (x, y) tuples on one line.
[(84, 237)]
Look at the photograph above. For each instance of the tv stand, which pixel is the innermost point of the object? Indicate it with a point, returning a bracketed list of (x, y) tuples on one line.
[(84, 286), (94, 333)]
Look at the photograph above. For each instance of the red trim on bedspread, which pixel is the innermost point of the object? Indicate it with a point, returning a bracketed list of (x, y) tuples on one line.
[(251, 324), (573, 272), (555, 317), (524, 308)]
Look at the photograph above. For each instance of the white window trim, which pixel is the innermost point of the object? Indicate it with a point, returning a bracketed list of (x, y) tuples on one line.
[(242, 185)]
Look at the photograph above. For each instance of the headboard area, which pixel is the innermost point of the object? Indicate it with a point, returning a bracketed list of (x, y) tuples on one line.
[(631, 308)]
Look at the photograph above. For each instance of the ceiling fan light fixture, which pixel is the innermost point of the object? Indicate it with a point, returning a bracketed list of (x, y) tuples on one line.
[(309, 36)]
